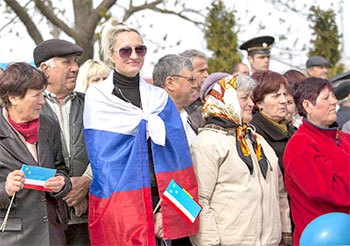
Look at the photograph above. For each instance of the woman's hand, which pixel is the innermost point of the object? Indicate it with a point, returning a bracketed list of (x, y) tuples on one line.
[(14, 182), (55, 183)]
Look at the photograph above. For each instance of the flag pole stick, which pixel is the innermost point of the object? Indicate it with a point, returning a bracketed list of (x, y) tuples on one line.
[(158, 204), (3, 225)]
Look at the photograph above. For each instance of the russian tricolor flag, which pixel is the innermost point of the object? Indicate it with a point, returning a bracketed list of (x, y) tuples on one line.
[(116, 133), (36, 176)]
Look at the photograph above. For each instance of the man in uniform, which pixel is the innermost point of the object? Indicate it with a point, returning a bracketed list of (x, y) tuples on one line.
[(258, 52)]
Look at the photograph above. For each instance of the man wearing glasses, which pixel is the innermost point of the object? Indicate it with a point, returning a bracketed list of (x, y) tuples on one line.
[(174, 73), (57, 59)]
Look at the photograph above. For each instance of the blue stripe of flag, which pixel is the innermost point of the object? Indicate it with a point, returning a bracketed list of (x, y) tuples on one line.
[(38, 173)]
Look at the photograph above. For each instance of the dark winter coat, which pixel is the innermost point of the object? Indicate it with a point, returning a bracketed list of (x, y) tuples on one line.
[(36, 217)]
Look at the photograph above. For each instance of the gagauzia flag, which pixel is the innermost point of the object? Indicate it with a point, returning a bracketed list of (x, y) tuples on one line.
[(117, 134), (36, 176), (182, 201)]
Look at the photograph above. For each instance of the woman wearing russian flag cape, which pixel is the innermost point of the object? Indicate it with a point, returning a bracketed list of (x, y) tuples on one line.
[(136, 145)]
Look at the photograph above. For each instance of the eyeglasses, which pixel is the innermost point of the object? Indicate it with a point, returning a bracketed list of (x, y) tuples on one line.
[(189, 79), (140, 50)]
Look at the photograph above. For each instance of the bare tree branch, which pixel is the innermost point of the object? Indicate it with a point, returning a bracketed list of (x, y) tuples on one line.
[(98, 13), (153, 6), (26, 19), (50, 15)]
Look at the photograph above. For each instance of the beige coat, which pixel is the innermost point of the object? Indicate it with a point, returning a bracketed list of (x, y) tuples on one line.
[(239, 208)]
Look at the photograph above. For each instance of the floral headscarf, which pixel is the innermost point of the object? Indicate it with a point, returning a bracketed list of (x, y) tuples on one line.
[(223, 102)]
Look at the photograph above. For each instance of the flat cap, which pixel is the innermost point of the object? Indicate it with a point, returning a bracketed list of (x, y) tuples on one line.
[(209, 83), (315, 61), (342, 90), (258, 45), (54, 48)]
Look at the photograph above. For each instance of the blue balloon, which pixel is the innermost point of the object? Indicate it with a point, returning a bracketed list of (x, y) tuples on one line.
[(327, 229)]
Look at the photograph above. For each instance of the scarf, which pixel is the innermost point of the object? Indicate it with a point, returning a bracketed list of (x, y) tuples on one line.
[(29, 130), (222, 108), (282, 127)]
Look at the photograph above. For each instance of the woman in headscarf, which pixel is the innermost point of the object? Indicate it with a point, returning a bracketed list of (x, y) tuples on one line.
[(317, 158), (240, 185), (36, 217)]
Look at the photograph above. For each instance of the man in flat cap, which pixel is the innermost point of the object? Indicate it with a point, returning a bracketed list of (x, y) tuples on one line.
[(258, 52), (317, 66), (58, 60), (341, 84)]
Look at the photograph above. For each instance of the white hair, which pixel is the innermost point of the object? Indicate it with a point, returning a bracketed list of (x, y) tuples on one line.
[(51, 62), (245, 83)]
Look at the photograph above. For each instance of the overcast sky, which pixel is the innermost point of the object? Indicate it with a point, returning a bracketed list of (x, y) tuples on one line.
[(154, 26)]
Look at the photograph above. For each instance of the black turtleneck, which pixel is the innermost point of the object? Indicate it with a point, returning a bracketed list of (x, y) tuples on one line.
[(127, 88)]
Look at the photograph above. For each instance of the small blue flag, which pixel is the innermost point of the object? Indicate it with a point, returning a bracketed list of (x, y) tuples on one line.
[(36, 176), (182, 201)]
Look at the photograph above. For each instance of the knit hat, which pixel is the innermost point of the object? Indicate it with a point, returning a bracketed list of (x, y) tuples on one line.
[(209, 83)]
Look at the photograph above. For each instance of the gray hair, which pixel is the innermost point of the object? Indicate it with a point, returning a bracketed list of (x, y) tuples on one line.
[(109, 36), (245, 83), (169, 65), (50, 62), (192, 53)]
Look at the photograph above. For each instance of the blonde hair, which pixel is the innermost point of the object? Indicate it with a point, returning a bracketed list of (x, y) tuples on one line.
[(109, 36), (88, 69)]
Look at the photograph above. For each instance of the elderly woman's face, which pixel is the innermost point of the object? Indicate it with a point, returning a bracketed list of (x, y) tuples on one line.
[(131, 65), (27, 108), (246, 103), (274, 104), (323, 113)]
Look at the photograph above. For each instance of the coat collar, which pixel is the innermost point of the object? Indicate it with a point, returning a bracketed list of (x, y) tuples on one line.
[(270, 129), (331, 132), (13, 144)]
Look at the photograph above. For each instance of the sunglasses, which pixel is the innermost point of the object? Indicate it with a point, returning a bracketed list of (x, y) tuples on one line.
[(140, 50)]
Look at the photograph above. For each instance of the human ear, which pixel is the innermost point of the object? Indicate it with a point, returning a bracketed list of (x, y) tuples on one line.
[(169, 83), (306, 105), (13, 100), (45, 68), (250, 59)]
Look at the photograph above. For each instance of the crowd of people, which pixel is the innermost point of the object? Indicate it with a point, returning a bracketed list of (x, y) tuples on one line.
[(263, 153)]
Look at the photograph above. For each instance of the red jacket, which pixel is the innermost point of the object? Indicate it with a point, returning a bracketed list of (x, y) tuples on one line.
[(317, 174)]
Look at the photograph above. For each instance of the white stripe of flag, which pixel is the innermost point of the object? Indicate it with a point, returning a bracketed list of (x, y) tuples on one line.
[(34, 182), (179, 205)]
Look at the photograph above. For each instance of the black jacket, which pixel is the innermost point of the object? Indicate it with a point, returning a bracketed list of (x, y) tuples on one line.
[(77, 160), (273, 135), (36, 217)]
